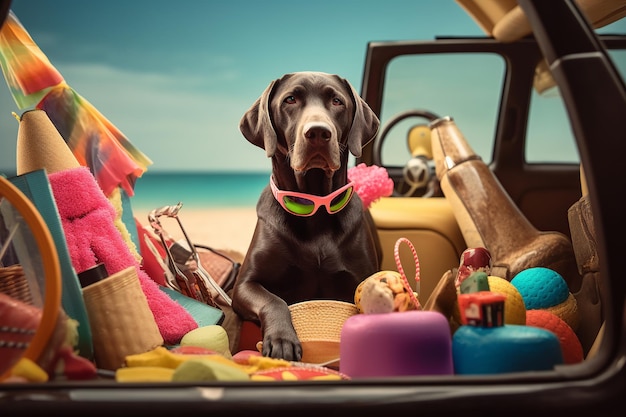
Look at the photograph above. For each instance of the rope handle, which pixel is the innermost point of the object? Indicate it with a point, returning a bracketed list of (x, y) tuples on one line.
[(396, 253)]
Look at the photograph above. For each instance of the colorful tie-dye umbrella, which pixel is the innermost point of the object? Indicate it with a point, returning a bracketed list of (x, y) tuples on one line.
[(93, 139)]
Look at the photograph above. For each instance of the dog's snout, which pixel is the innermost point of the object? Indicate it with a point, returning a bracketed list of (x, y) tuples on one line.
[(317, 131)]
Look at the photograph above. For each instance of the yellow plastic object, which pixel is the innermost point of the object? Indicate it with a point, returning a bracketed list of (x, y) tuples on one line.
[(51, 269), (199, 370), (29, 370), (144, 374), (165, 358), (418, 141)]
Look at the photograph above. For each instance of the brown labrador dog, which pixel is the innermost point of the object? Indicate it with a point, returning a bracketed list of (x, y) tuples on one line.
[(307, 122)]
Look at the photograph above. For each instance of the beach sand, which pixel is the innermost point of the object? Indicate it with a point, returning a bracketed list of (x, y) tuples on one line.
[(229, 229)]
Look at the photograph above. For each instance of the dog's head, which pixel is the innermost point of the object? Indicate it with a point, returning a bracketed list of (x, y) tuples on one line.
[(311, 118)]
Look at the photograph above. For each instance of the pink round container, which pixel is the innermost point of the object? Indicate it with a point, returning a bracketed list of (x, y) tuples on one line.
[(396, 344)]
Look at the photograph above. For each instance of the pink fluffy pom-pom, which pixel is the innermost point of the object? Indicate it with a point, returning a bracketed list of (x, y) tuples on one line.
[(370, 182)]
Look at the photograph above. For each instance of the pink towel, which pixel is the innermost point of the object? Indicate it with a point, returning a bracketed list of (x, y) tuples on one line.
[(88, 219)]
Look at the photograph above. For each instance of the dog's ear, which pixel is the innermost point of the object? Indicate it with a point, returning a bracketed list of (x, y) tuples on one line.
[(365, 123), (256, 124)]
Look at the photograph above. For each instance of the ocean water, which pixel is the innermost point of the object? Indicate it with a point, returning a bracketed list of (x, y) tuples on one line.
[(199, 190)]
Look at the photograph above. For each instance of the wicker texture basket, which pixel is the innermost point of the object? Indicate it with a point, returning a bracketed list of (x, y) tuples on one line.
[(121, 319), (13, 283)]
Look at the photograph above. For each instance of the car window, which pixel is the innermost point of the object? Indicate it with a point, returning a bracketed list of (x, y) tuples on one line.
[(619, 59), (467, 87), (549, 138), (464, 86)]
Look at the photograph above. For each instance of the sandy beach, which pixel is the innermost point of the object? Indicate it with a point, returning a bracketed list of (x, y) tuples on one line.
[(221, 228)]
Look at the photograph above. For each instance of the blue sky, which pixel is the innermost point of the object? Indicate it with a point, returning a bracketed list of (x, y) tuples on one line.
[(176, 77)]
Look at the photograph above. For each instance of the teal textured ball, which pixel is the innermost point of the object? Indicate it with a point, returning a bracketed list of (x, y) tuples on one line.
[(540, 287)]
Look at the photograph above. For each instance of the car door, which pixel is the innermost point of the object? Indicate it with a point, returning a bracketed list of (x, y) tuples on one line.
[(497, 95)]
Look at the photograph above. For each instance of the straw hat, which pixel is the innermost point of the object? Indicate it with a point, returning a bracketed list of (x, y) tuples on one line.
[(40, 145), (318, 325)]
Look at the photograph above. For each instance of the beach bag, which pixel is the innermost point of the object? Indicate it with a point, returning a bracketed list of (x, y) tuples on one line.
[(216, 264), (197, 271)]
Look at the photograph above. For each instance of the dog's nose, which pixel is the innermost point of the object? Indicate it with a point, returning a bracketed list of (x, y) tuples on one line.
[(317, 131)]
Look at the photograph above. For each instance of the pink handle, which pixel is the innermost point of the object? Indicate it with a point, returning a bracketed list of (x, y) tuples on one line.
[(396, 253)]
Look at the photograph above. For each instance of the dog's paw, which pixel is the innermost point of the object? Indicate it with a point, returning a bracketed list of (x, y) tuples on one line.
[(282, 346)]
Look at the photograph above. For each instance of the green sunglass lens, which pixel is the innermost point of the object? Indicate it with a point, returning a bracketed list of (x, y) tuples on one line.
[(340, 201), (299, 205)]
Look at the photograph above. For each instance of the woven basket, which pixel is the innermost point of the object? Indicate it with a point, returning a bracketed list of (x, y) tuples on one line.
[(13, 283), (318, 324), (121, 319)]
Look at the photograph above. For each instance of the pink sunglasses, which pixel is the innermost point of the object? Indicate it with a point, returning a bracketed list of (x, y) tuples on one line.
[(302, 204)]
